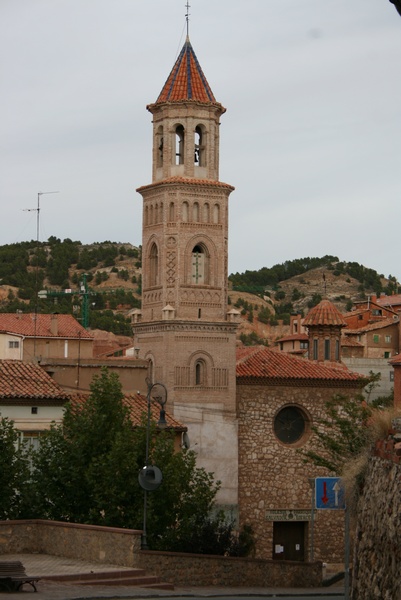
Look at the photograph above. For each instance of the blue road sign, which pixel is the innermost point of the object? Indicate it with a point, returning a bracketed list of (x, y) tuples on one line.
[(329, 493)]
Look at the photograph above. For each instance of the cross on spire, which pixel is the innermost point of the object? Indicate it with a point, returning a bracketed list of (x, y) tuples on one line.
[(187, 6)]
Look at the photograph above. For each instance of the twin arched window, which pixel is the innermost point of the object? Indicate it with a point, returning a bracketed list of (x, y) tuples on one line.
[(200, 265)]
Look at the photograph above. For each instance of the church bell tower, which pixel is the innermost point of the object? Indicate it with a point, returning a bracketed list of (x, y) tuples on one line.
[(185, 329)]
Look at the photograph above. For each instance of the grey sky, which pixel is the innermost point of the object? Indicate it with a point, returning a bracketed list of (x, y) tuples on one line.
[(311, 138)]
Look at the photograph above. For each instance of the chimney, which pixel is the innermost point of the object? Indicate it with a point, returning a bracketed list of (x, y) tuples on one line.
[(54, 324)]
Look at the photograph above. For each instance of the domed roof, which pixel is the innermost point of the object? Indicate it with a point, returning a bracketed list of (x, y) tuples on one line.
[(325, 313)]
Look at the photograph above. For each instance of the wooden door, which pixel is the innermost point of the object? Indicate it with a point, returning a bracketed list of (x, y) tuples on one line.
[(289, 540)]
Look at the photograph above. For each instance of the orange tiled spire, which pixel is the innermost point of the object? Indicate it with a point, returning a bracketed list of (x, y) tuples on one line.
[(186, 80), (325, 313)]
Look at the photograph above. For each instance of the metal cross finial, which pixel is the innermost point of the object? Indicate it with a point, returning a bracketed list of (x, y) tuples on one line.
[(187, 6)]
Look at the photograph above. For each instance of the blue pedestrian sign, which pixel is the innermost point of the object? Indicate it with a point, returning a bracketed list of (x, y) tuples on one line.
[(329, 493)]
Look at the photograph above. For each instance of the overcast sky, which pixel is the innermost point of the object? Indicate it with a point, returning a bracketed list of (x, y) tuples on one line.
[(311, 139)]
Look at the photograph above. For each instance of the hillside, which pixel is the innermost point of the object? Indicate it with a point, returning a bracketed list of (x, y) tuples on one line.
[(266, 297)]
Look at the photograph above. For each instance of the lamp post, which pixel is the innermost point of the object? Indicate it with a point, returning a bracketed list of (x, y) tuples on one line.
[(150, 477)]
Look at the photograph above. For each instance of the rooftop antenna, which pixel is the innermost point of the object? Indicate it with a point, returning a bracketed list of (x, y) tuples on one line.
[(37, 209), (187, 15)]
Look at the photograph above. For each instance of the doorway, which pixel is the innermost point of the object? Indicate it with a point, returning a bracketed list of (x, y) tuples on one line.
[(289, 540)]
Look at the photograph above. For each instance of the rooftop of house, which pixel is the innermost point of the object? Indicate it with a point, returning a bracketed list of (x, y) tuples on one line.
[(302, 337), (324, 314), (389, 301), (261, 363), (43, 326), (137, 405), (186, 80), (350, 342), (372, 326), (20, 380)]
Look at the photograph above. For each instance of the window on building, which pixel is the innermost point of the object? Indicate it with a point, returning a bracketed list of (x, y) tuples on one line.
[(160, 145), (326, 349), (290, 425), (200, 370), (199, 267), (153, 265), (377, 312), (199, 157), (387, 355), (13, 344), (179, 145), (337, 350), (171, 213), (388, 339), (315, 349), (304, 345), (376, 339)]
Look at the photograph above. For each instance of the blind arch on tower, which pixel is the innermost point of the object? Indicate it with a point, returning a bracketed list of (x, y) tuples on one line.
[(153, 264)]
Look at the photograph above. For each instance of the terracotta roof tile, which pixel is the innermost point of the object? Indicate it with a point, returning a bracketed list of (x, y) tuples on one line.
[(186, 80), (302, 337), (349, 342), (27, 380), (372, 326), (187, 181), (266, 364), (325, 313), (394, 300), (138, 406), (24, 324)]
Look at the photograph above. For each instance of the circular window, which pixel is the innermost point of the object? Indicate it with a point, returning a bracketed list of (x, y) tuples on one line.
[(290, 424)]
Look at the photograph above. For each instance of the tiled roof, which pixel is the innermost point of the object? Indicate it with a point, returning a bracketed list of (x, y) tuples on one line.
[(372, 326), (394, 300), (348, 342), (27, 380), (24, 324), (186, 80), (396, 360), (187, 181), (325, 313), (266, 364), (138, 406), (302, 337)]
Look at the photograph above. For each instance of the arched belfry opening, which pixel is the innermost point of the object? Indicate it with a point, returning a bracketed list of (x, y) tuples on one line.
[(153, 265), (160, 146), (199, 155), (179, 145), (200, 265)]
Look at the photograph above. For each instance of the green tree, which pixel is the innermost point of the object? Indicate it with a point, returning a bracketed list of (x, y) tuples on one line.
[(14, 471), (341, 434), (86, 471)]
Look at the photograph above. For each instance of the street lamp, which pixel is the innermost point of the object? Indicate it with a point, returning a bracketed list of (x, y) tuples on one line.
[(150, 477)]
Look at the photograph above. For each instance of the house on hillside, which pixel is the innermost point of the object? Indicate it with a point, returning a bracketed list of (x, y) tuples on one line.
[(30, 398), (279, 399), (29, 336), (297, 340)]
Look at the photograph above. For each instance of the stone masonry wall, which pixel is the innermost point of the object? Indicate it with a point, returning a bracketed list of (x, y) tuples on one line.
[(377, 552), (273, 476), (122, 547)]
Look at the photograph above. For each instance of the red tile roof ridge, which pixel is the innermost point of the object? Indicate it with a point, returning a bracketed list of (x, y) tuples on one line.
[(20, 379), (265, 363), (24, 324), (187, 181), (372, 326), (296, 336)]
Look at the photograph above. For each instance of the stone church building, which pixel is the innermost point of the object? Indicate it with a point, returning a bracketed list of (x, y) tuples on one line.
[(233, 410)]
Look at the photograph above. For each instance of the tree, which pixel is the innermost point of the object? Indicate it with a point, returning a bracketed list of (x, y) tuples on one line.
[(14, 471), (342, 434), (86, 471)]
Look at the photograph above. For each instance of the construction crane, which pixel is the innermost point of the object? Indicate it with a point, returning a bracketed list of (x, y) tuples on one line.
[(83, 292)]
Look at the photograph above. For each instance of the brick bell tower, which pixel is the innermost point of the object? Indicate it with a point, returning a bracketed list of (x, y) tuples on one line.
[(184, 328)]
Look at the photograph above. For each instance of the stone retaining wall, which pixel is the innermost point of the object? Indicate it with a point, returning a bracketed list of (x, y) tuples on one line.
[(122, 547), (376, 573)]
